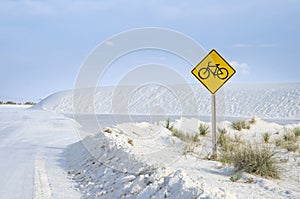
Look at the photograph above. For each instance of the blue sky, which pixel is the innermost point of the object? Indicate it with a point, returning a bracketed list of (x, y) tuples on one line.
[(43, 43)]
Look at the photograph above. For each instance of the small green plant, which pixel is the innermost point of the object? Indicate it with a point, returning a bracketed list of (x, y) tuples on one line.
[(237, 176), (239, 125), (222, 131), (289, 137), (196, 138), (168, 124), (223, 139), (253, 120), (266, 137), (279, 142), (203, 129), (296, 131)]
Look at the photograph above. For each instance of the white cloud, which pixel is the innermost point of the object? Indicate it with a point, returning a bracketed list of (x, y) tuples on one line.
[(243, 68)]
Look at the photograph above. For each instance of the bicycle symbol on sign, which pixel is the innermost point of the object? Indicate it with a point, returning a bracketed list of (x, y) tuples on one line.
[(221, 73)]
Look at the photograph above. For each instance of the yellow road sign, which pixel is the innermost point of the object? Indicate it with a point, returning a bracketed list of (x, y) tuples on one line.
[(213, 71)]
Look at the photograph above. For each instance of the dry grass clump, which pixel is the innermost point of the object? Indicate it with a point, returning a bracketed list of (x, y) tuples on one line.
[(255, 160), (296, 132), (185, 136), (227, 145), (239, 125), (266, 137), (259, 161), (203, 129), (289, 140)]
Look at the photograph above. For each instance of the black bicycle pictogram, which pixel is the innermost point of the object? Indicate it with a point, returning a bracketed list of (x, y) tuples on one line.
[(221, 73)]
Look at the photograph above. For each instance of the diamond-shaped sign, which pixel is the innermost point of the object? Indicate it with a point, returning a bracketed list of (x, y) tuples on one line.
[(213, 71)]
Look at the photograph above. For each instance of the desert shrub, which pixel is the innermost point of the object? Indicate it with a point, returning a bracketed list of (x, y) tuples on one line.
[(10, 102), (266, 137), (227, 145), (185, 136), (255, 160), (279, 142), (289, 137), (29, 103), (296, 131), (239, 125), (196, 138), (253, 120), (222, 131), (237, 138), (260, 161), (288, 142), (290, 146), (223, 139), (168, 124), (203, 129)]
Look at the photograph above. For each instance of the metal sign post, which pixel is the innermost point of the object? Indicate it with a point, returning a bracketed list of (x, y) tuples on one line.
[(214, 126), (213, 72)]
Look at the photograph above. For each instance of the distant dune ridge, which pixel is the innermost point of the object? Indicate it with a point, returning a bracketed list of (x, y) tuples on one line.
[(260, 100)]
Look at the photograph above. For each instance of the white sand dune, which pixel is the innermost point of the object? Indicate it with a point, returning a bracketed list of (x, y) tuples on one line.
[(247, 100), (40, 148), (152, 165)]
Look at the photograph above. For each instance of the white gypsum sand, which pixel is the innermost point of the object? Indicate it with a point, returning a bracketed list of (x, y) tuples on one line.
[(46, 153)]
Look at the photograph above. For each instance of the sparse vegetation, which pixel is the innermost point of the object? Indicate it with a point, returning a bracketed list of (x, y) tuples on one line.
[(192, 141), (289, 141), (237, 176), (10, 102), (17, 103), (253, 120), (189, 148), (203, 129), (225, 141), (239, 125), (292, 146), (185, 136), (259, 161), (29, 103), (289, 137), (266, 137), (296, 131), (279, 142), (168, 124)]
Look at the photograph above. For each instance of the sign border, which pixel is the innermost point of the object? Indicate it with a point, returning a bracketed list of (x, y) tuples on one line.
[(213, 50)]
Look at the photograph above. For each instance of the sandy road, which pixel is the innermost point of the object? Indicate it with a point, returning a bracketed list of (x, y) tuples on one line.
[(31, 155)]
